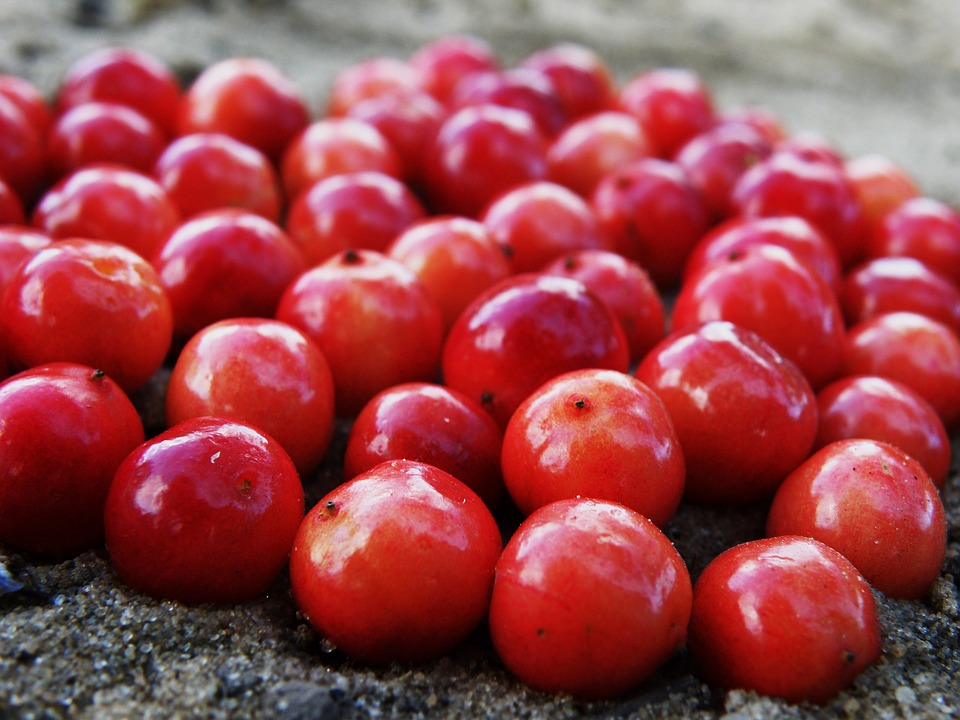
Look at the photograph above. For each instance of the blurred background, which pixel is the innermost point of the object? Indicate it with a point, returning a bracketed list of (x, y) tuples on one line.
[(869, 75)]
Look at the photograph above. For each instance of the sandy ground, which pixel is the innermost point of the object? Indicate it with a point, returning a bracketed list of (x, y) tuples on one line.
[(871, 75)]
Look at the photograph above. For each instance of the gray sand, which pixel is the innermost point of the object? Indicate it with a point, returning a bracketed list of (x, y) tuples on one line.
[(871, 75)]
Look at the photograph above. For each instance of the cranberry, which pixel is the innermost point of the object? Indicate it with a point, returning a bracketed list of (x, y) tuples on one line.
[(443, 63), (518, 88), (673, 106), (765, 288), (921, 228), (335, 146), (590, 148), (396, 564), (126, 76), (651, 213), (204, 512), (212, 171), (66, 428), (745, 417), (765, 600), (480, 152), (249, 99), (590, 599), (356, 210), (524, 331), (594, 433), (368, 79), (581, 79), (874, 504), (537, 222)]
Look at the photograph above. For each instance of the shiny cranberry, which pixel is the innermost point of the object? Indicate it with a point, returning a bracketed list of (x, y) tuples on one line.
[(874, 504), (18, 244), (590, 148), (523, 331), (223, 264), (877, 408), (66, 429), (764, 600), (594, 433), (744, 415), (31, 101), (126, 76), (919, 352), (444, 62), (673, 106), (369, 78), (788, 231), (22, 153), (923, 228), (432, 424), (765, 288), (249, 99), (581, 79), (892, 284), (375, 323), (96, 132), (517, 88), (788, 184), (262, 372), (480, 152), (409, 121), (624, 287), (537, 222), (716, 158), (335, 146), (650, 213), (365, 210), (455, 258), (212, 171), (204, 512), (108, 202)]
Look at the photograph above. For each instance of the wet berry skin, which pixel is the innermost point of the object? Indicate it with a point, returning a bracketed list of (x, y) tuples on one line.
[(785, 616), (64, 429), (204, 512), (396, 564), (590, 599)]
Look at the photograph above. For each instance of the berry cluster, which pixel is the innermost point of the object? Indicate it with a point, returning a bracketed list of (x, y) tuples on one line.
[(465, 267)]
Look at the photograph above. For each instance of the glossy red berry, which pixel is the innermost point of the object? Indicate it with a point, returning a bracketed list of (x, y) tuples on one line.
[(625, 288), (262, 372), (598, 434), (204, 512), (784, 597), (375, 323), (480, 152), (919, 352), (454, 257), (745, 417), (581, 80), (64, 429), (362, 210), (650, 213), (91, 302), (211, 171), (108, 202), (765, 288), (877, 408), (247, 98), (874, 504), (224, 264), (335, 146), (99, 132), (673, 106), (396, 564), (442, 63), (126, 76), (433, 424), (923, 228), (524, 331), (590, 599), (537, 222)]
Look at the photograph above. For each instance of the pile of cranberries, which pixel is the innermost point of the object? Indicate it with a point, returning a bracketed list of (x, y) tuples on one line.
[(468, 265)]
